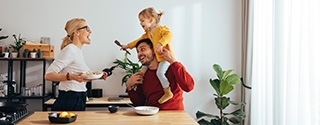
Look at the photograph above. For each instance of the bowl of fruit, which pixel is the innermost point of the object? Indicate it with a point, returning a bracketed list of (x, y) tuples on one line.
[(62, 117)]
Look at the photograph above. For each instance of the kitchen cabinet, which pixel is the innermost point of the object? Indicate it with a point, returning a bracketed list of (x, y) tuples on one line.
[(17, 96)]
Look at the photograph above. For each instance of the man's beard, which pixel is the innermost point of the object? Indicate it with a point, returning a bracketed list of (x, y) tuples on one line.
[(148, 61)]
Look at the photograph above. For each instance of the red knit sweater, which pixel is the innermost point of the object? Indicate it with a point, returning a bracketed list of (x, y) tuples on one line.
[(151, 90)]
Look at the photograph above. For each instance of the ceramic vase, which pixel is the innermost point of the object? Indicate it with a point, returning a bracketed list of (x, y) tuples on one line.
[(33, 54), (14, 54), (6, 54)]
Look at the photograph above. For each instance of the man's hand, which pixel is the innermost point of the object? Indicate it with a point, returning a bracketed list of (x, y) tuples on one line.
[(159, 48), (134, 80), (167, 55)]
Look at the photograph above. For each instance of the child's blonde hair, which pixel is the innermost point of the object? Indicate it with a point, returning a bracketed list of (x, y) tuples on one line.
[(151, 12)]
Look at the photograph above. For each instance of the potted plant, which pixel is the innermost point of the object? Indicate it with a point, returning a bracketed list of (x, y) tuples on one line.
[(129, 67), (19, 42), (6, 52), (222, 86), (39, 53), (33, 53), (26, 53), (14, 52), (2, 37)]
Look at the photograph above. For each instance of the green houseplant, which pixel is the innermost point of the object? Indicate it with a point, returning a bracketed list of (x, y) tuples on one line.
[(19, 42), (3, 37), (129, 67), (26, 53), (33, 53), (6, 49), (39, 53), (6, 52), (222, 86)]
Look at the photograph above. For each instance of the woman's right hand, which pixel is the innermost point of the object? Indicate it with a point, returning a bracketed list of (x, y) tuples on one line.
[(135, 79), (79, 77)]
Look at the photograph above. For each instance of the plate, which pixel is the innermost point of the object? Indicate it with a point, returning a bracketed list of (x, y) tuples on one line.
[(146, 110), (93, 75), (56, 119)]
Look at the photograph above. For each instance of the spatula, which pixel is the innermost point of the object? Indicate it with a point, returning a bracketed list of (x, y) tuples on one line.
[(119, 44)]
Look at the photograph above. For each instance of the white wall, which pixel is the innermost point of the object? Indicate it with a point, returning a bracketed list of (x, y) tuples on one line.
[(205, 32)]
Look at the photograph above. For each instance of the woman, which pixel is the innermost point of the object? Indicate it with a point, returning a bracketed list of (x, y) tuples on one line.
[(68, 68)]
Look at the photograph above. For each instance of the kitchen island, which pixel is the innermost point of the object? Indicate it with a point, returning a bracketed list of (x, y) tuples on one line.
[(95, 102), (124, 116)]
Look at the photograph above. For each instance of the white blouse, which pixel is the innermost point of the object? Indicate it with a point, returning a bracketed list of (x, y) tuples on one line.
[(70, 59)]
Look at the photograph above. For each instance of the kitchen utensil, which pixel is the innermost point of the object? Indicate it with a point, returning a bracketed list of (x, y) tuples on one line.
[(11, 106), (119, 44), (131, 105)]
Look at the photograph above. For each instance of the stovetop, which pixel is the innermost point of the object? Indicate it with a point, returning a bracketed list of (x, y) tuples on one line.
[(11, 118)]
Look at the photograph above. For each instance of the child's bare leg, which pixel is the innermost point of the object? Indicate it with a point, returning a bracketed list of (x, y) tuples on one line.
[(162, 68)]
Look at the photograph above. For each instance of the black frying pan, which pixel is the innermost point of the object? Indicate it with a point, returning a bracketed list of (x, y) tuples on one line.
[(11, 106)]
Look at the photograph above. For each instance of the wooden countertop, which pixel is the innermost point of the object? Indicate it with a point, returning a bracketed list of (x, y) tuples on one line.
[(102, 100), (124, 116)]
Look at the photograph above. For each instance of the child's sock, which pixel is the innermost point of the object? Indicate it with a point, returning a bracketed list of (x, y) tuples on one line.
[(166, 96)]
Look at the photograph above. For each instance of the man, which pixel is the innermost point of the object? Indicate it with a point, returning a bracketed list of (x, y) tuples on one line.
[(147, 89)]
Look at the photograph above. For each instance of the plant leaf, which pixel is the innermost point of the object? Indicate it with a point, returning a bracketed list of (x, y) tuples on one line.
[(3, 37), (200, 114), (239, 113), (215, 122), (237, 103), (234, 120), (226, 74), (215, 85), (225, 88), (233, 79), (218, 70), (204, 122), (222, 102), (125, 78)]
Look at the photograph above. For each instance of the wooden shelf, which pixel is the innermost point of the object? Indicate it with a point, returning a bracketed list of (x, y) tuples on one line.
[(23, 65)]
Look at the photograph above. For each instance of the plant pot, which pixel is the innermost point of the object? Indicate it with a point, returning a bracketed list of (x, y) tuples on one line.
[(33, 54), (6, 54), (40, 55), (14, 54), (25, 55)]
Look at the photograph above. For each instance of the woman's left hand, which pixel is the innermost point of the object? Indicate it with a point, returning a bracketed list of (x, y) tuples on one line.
[(104, 76)]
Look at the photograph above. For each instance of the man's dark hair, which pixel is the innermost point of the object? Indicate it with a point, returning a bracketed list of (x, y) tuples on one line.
[(147, 41)]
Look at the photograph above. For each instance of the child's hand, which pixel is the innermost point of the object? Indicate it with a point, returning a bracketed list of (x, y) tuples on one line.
[(159, 48), (123, 47), (143, 70)]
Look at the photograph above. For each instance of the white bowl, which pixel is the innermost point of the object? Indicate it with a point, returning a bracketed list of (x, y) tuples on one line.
[(146, 110), (93, 74)]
